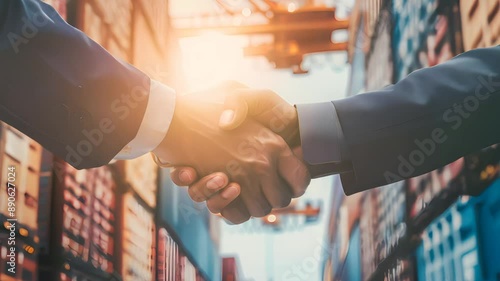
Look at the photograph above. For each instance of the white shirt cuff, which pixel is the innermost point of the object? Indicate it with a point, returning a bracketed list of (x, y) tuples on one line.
[(155, 123)]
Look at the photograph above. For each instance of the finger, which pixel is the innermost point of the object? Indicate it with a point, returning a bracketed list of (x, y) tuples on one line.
[(243, 103), (236, 212), (294, 172), (277, 191), (183, 176), (255, 201), (207, 186), (222, 199), (235, 112)]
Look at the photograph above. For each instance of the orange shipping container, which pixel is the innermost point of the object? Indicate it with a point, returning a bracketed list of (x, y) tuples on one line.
[(137, 241)]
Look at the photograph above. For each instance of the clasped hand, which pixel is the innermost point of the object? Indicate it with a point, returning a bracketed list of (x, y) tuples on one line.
[(236, 148)]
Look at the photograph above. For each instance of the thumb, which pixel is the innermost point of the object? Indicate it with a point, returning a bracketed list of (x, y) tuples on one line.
[(244, 102), (235, 112)]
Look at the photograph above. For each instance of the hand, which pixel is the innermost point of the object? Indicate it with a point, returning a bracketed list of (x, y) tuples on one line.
[(260, 163), (268, 109)]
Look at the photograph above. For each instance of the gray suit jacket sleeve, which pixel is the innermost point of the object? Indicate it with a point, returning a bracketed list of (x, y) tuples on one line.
[(427, 120), (64, 90)]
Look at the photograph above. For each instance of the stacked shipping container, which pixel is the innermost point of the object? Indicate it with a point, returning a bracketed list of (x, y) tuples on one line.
[(416, 34), (138, 181), (480, 23), (84, 207), (20, 163), (98, 224)]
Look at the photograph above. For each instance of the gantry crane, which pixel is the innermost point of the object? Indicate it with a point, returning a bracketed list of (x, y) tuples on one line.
[(296, 31)]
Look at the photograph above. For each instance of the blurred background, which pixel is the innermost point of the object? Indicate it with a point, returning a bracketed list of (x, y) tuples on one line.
[(128, 221)]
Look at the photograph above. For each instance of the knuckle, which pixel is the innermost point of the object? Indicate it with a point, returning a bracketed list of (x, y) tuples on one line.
[(241, 220), (285, 201), (299, 192), (214, 210), (260, 211), (214, 207), (195, 195)]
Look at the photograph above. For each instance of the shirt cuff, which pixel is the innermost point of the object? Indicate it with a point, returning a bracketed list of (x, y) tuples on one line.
[(322, 139), (155, 123)]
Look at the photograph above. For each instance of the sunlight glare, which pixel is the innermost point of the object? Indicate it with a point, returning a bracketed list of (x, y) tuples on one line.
[(211, 58)]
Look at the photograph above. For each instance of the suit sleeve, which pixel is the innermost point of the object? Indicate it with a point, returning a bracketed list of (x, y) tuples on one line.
[(64, 90), (427, 120)]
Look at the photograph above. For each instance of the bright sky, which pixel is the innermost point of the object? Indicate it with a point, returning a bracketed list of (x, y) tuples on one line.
[(213, 58)]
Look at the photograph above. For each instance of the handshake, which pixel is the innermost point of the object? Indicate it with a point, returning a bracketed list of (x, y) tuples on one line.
[(237, 149)]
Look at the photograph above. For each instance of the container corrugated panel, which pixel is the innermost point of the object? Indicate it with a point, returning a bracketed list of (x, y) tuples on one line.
[(423, 188), (462, 244), (379, 64), (368, 225), (449, 249), (443, 39), (154, 13), (188, 270), (108, 23), (168, 259), (480, 23), (412, 20), (141, 175), (103, 218), (391, 225), (88, 220), (137, 240), (401, 270)]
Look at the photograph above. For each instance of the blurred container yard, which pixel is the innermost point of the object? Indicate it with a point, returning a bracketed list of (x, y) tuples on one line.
[(127, 221)]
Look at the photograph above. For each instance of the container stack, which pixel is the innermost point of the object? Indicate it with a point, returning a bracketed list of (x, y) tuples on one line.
[(480, 23), (379, 64), (461, 244), (368, 222), (422, 189), (84, 208), (190, 229), (108, 23), (138, 185), (20, 188), (137, 240), (391, 224), (168, 257), (104, 223), (413, 230), (411, 26)]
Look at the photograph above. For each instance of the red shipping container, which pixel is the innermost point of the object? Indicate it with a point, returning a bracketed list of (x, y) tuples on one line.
[(108, 23), (168, 261), (88, 221), (230, 270)]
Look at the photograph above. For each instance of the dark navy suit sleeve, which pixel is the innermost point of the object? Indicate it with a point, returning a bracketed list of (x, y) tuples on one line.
[(427, 120), (64, 90)]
